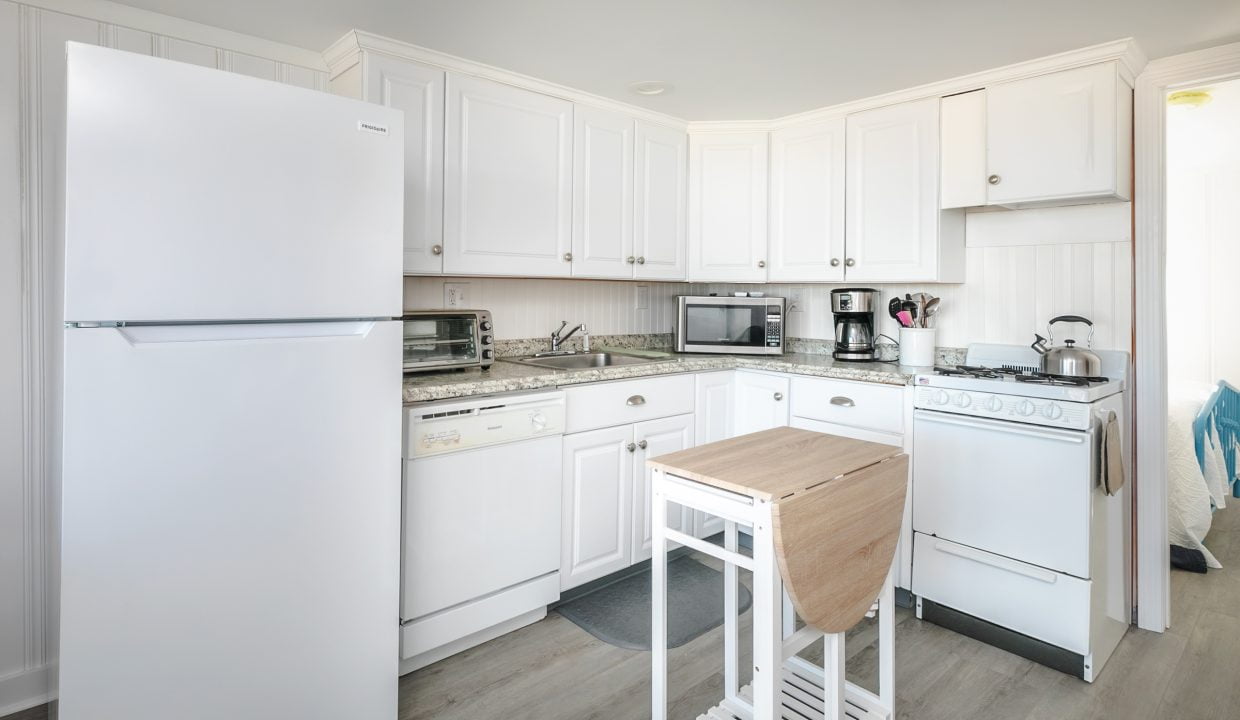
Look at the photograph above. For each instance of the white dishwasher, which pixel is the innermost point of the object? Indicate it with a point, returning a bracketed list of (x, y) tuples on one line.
[(481, 520)]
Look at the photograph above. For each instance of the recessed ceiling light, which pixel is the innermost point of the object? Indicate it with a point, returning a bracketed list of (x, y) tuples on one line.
[(650, 87)]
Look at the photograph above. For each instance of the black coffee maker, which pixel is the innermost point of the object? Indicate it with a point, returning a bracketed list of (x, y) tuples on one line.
[(854, 323)]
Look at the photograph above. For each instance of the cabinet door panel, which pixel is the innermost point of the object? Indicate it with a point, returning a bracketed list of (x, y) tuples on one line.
[(602, 193), (418, 90), (892, 189), (1054, 136), (507, 180), (661, 437), (807, 203), (713, 420), (660, 190), (597, 497), (761, 402), (727, 207)]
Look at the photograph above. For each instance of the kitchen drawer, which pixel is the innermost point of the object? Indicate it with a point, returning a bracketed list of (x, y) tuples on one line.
[(857, 404), (1046, 605), (627, 401)]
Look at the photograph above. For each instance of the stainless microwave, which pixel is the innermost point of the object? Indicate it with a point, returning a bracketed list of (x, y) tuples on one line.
[(443, 339), (724, 324)]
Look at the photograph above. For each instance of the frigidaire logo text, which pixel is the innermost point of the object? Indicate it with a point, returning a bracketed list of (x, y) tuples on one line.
[(371, 127)]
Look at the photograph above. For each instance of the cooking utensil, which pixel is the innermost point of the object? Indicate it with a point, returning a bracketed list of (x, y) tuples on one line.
[(905, 318), (1068, 359), (894, 307), (932, 307)]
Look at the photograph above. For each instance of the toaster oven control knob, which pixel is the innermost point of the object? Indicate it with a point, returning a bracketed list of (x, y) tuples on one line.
[(941, 398), (485, 325), (963, 400), (993, 404), (1052, 412), (487, 354), (1025, 408), (487, 340)]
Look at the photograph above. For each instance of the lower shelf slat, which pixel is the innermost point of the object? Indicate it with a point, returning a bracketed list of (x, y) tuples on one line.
[(802, 698)]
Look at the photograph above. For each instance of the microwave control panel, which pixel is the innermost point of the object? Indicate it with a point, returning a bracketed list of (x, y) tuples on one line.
[(774, 330)]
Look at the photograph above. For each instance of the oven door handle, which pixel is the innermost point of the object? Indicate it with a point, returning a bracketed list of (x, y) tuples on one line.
[(1075, 437)]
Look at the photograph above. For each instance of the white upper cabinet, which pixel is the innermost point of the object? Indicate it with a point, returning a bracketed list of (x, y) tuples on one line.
[(418, 90), (962, 165), (660, 188), (1060, 138), (508, 187), (894, 229), (727, 206), (602, 194), (807, 203)]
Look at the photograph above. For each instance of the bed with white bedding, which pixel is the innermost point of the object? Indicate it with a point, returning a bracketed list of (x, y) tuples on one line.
[(1198, 480)]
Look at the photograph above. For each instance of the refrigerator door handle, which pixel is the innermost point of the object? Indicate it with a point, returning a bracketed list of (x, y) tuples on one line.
[(138, 335)]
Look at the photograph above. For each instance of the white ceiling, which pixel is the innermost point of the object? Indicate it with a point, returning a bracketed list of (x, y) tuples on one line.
[(734, 59)]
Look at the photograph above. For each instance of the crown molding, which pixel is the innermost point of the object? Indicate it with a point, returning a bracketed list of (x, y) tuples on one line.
[(159, 24), (346, 52), (1129, 56)]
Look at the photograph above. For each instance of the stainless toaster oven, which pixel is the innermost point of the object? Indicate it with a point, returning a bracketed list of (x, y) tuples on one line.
[(443, 339)]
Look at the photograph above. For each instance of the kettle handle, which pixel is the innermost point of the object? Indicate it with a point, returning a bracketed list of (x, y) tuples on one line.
[(1089, 341)]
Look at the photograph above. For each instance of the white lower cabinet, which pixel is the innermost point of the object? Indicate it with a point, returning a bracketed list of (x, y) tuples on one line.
[(655, 438), (596, 502), (714, 415), (761, 402)]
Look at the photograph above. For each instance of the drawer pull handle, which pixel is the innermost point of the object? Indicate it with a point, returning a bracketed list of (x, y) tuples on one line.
[(1045, 576), (635, 400), (843, 401)]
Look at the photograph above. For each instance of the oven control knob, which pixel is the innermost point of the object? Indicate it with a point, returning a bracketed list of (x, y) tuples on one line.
[(538, 421), (963, 400), (993, 404), (941, 398), (487, 339), (488, 354), (1052, 412), (1026, 408), (485, 325)]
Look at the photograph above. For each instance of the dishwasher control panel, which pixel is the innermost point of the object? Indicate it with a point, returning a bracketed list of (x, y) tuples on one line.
[(456, 425)]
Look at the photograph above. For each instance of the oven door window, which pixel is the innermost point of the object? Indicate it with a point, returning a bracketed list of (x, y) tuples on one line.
[(727, 325), (447, 340)]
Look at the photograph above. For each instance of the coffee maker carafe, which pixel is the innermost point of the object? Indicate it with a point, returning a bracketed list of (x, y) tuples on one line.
[(854, 323)]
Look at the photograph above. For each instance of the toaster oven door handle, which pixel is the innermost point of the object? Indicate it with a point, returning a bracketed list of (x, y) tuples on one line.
[(635, 400)]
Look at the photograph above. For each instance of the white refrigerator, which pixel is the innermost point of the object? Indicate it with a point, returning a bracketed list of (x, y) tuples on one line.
[(231, 490)]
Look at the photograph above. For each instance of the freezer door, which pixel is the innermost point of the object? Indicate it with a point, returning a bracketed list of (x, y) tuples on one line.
[(231, 522), (197, 194)]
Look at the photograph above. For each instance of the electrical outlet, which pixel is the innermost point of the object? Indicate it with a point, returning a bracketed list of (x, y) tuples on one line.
[(456, 295), (796, 300), (641, 297)]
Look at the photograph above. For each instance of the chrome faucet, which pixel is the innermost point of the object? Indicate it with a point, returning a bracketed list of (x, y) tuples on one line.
[(558, 337)]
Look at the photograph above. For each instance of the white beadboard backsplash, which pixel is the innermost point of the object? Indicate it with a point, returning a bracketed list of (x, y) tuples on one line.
[(1024, 267)]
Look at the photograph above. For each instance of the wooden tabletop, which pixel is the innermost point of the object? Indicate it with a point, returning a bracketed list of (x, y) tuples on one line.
[(773, 464)]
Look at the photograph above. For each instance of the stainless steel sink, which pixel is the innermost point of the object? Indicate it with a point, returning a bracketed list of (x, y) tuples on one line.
[(582, 361)]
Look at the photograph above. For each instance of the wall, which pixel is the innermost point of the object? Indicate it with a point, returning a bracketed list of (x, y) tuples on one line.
[(1024, 267), (32, 69), (1203, 238)]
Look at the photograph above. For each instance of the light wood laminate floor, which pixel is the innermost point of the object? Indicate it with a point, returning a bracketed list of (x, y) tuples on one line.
[(553, 670)]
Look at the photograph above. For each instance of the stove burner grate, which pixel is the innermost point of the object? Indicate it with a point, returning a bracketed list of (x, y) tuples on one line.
[(1019, 374)]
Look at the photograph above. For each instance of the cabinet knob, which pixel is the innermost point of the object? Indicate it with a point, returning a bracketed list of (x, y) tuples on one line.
[(779, 396), (850, 262), (436, 249), (993, 179), (630, 447), (641, 444), (835, 262), (631, 260), (641, 260), (761, 263), (635, 400), (568, 257)]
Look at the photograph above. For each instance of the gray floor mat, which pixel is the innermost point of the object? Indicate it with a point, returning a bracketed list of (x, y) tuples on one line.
[(619, 613)]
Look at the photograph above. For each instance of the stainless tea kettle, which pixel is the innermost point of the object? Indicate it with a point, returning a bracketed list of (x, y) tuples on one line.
[(1068, 359)]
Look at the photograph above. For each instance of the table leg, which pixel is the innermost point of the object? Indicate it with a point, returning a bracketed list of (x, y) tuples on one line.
[(887, 643), (658, 598), (833, 676), (767, 620), (731, 620)]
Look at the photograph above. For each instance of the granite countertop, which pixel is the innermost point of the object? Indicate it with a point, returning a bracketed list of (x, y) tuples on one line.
[(505, 376)]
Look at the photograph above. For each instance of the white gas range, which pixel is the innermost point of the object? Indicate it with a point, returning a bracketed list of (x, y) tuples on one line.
[(1015, 542)]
